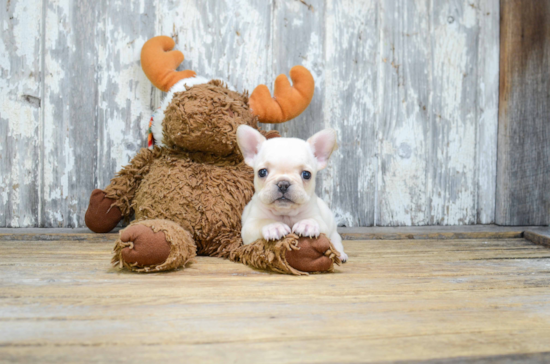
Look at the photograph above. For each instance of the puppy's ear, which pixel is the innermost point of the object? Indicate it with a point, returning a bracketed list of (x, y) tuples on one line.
[(250, 140), (323, 144)]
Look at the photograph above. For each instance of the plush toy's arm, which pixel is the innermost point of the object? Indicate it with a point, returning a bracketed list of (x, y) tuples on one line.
[(107, 207), (123, 186), (101, 216), (289, 255)]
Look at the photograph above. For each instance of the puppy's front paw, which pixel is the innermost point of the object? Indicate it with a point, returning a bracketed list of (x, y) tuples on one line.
[(343, 257), (275, 231), (307, 227)]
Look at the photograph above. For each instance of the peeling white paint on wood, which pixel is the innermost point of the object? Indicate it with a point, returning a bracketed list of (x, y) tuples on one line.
[(125, 100), (226, 39), (410, 86), (404, 122), (430, 151), (20, 112), (487, 70), (350, 106), (69, 108), (454, 106)]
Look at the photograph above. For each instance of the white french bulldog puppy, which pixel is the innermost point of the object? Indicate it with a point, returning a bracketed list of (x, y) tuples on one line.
[(284, 182)]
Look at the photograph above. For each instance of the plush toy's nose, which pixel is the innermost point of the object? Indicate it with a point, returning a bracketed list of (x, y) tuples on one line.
[(283, 186)]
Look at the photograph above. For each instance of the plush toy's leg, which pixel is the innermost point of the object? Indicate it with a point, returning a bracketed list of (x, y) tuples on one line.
[(291, 255), (153, 246), (313, 255), (102, 216)]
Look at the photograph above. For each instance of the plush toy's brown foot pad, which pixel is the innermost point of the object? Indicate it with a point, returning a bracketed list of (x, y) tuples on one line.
[(101, 216), (153, 246), (146, 248), (313, 255), (290, 255)]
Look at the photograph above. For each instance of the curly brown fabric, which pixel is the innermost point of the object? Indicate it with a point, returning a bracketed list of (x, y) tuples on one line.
[(205, 118), (123, 186), (272, 255), (206, 198), (182, 247), (188, 196)]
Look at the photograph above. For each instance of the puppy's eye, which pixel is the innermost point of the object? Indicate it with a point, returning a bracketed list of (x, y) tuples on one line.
[(262, 173), (306, 175)]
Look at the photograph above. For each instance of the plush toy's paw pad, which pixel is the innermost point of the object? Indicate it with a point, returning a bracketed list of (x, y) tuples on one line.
[(101, 216), (311, 255), (307, 227), (146, 248), (275, 231)]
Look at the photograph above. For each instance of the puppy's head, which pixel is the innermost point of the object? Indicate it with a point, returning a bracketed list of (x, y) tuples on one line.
[(285, 168)]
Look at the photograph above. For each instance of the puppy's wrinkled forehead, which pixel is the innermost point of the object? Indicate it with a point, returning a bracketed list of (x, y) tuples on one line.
[(287, 152)]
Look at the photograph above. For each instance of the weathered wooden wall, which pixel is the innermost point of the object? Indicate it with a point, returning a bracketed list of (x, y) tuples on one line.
[(411, 87), (523, 180)]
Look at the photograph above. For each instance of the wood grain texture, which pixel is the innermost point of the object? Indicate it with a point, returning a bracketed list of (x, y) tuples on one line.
[(373, 233), (222, 39), (432, 232), (411, 88), (125, 98), (21, 51), (349, 106), (395, 300), (523, 195), (539, 236), (435, 130), (453, 121), (347, 233), (298, 38), (487, 75), (70, 103), (405, 125)]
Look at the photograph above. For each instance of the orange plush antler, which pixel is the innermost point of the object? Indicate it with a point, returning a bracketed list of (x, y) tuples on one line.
[(159, 63), (288, 101)]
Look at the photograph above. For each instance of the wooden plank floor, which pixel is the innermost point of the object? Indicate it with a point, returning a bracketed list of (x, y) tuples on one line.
[(484, 300)]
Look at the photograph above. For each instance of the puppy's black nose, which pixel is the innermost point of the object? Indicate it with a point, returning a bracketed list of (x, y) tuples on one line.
[(283, 186)]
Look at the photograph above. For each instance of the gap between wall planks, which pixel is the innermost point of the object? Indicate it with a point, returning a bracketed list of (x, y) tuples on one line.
[(523, 180), (412, 89)]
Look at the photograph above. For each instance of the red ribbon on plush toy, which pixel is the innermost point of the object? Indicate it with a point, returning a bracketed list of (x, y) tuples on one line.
[(150, 136)]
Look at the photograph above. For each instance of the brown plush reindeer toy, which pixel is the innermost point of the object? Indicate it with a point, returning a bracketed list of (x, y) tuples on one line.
[(189, 191)]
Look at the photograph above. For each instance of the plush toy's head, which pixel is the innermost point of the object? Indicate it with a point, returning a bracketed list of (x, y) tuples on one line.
[(205, 118), (199, 115)]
